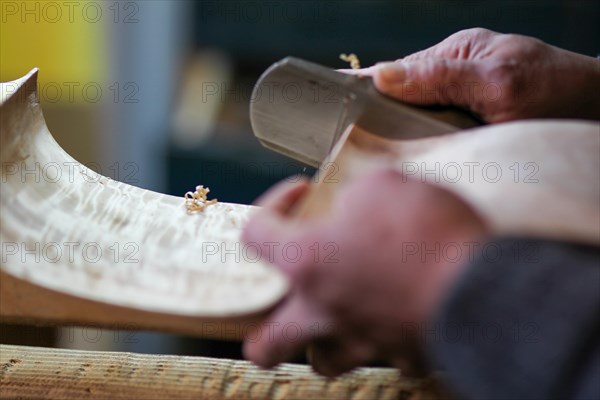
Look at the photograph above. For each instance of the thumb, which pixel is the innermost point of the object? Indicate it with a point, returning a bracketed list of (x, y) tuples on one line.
[(431, 81), (286, 333), (272, 232)]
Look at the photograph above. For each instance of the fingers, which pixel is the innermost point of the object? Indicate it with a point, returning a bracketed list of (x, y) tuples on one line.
[(462, 45), (447, 48), (282, 241), (269, 224), (296, 325), (334, 356), (285, 335), (431, 81), (361, 71), (445, 73)]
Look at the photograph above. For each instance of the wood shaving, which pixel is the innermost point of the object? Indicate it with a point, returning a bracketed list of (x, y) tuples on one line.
[(352, 59), (197, 201)]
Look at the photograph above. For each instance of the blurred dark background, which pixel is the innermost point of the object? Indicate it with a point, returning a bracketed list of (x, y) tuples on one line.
[(185, 70), (254, 34), (257, 32)]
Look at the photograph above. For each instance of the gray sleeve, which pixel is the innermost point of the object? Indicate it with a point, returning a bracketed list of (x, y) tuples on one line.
[(523, 322)]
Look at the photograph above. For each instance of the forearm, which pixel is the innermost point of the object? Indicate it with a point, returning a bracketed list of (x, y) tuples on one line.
[(534, 309)]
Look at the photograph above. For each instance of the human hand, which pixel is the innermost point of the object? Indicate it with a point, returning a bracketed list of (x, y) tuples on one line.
[(500, 77), (364, 274)]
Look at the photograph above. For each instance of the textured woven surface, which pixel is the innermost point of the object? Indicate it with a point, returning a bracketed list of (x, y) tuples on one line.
[(43, 373)]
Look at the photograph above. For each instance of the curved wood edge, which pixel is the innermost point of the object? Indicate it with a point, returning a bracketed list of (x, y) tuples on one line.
[(22, 302), (158, 285), (43, 373)]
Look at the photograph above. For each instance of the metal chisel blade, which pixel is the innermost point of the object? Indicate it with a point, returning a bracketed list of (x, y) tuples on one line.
[(300, 109)]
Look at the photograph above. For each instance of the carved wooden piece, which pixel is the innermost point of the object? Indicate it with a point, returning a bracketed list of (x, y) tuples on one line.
[(159, 266), (176, 285), (537, 178), (41, 373)]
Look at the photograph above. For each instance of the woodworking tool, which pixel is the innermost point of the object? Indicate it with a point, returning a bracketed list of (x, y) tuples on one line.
[(300, 109)]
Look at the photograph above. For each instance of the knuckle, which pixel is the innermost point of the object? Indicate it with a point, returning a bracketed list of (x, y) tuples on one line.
[(473, 33), (522, 47), (468, 41)]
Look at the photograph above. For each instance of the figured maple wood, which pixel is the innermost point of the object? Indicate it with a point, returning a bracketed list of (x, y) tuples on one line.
[(101, 250), (42, 373)]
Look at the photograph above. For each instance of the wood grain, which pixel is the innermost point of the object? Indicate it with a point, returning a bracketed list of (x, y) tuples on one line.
[(103, 250), (42, 373)]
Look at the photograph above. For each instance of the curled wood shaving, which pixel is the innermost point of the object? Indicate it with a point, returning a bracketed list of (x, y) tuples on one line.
[(197, 201), (352, 59)]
